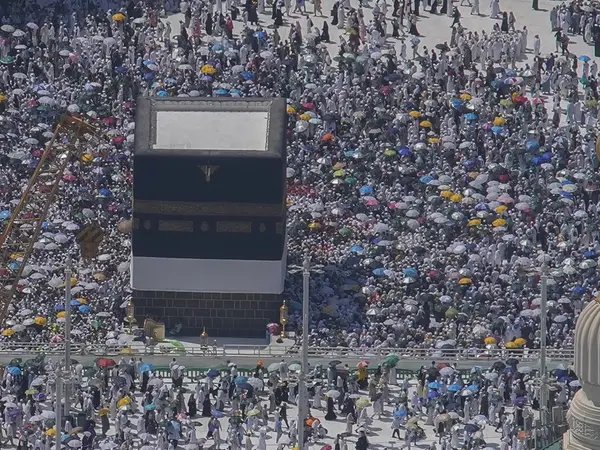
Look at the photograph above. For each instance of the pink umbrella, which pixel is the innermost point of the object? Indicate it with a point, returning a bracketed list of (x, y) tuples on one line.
[(372, 202)]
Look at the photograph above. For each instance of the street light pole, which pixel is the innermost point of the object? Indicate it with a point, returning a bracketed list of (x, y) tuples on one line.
[(543, 340), (67, 367), (302, 397), (59, 396)]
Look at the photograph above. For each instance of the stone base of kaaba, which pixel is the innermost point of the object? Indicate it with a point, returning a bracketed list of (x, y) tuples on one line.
[(222, 314)]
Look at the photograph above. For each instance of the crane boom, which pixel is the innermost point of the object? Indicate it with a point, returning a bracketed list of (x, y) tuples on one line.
[(26, 220)]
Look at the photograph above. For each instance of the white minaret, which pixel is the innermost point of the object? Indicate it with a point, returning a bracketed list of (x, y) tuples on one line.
[(584, 415)]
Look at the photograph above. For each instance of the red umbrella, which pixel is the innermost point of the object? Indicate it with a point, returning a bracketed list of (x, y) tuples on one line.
[(520, 99), (308, 105), (118, 140), (106, 362)]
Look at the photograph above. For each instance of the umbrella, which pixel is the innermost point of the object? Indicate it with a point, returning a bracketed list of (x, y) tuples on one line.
[(391, 360), (274, 367), (332, 394)]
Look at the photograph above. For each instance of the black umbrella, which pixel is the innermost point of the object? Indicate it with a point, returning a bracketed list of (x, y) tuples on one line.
[(498, 365), (512, 361), (442, 47), (334, 363)]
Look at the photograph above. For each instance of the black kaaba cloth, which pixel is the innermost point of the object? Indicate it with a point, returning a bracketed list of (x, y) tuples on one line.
[(209, 204)]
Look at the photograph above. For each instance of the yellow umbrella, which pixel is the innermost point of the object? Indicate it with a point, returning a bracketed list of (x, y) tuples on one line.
[(99, 276), (466, 97), (425, 124), (362, 402), (314, 225), (339, 173), (305, 117), (434, 140), (253, 412), (498, 121), (39, 320), (501, 209), (489, 340), (82, 300), (499, 222), (73, 283), (123, 402), (291, 110), (8, 332), (474, 222), (119, 17), (520, 341), (415, 114), (473, 174), (338, 165), (390, 152), (2, 97), (126, 351), (446, 194), (17, 255), (61, 314), (506, 102), (511, 345), (465, 281), (51, 432), (207, 69), (87, 157), (456, 198)]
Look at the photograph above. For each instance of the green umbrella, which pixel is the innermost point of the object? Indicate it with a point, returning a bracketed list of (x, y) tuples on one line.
[(451, 313), (15, 362), (350, 180), (7, 60), (345, 231), (391, 360)]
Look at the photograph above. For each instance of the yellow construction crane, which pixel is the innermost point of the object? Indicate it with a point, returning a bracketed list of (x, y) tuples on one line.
[(26, 219)]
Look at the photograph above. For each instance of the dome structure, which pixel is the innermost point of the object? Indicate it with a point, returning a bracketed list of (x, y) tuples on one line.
[(584, 415)]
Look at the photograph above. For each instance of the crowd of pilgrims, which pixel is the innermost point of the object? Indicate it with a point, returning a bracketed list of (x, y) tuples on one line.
[(432, 184), (125, 404)]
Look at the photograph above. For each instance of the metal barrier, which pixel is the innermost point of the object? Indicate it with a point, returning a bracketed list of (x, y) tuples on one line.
[(416, 354)]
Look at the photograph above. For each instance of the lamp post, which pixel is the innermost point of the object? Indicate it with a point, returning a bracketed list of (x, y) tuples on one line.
[(130, 309), (543, 340), (283, 319), (302, 394), (204, 339), (68, 274)]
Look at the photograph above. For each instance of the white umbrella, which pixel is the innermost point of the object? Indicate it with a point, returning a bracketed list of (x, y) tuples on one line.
[(332, 394)]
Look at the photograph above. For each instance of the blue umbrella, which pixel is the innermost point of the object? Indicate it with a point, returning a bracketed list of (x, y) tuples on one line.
[(235, 93), (366, 190), (470, 163), (15, 371), (216, 413), (75, 302), (59, 308), (105, 193), (212, 373), (379, 272), (456, 103), (349, 153), (162, 94), (400, 413), (84, 309), (589, 254), (4, 215), (247, 75), (217, 48), (150, 407), (121, 69), (454, 388), (482, 207), (497, 129), (241, 380), (547, 156), (411, 272), (356, 249), (434, 385), (148, 76), (221, 92), (471, 116), (537, 160), (578, 290), (206, 78), (425, 179), (13, 266), (584, 58), (532, 146), (433, 394), (147, 367), (404, 151), (473, 387)]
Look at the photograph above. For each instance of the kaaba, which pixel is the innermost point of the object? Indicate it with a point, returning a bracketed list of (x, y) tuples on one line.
[(209, 213)]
